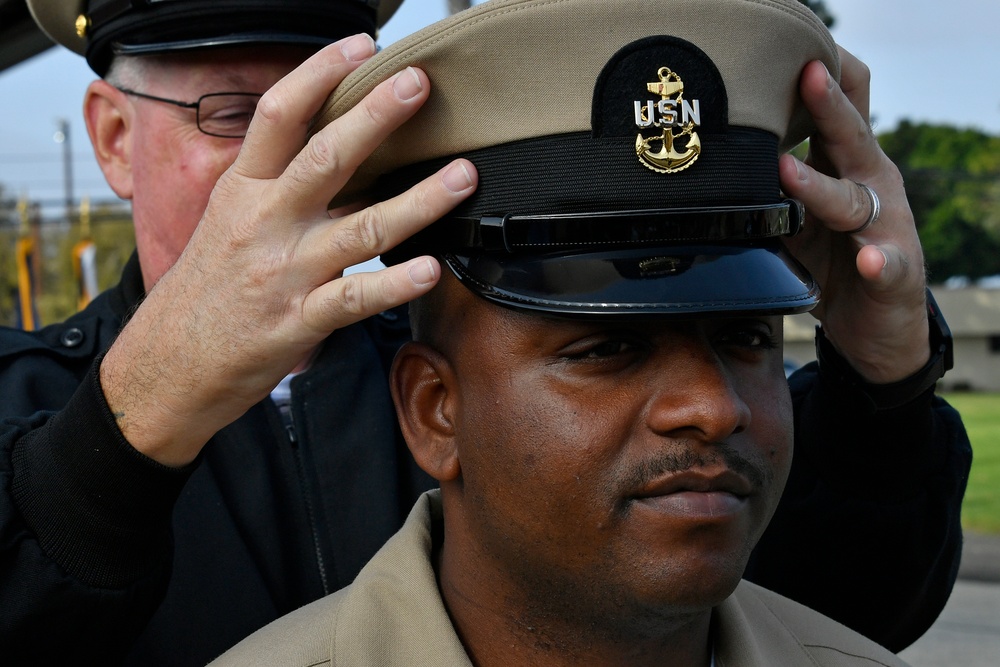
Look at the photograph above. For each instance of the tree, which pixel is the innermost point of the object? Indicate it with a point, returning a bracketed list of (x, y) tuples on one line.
[(820, 10), (952, 180), (8, 208)]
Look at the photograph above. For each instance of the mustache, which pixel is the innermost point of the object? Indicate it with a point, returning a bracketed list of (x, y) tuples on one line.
[(715, 455)]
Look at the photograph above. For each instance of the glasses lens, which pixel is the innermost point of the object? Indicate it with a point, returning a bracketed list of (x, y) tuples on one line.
[(226, 114)]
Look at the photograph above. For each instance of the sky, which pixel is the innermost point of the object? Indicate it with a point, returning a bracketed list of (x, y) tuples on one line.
[(930, 61)]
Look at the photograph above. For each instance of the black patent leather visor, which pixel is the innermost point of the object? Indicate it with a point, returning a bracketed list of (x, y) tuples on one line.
[(688, 280), (725, 260)]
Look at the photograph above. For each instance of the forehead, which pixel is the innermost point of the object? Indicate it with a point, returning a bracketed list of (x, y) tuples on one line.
[(239, 68)]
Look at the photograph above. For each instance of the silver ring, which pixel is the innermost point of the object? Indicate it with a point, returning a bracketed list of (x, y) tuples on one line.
[(876, 209)]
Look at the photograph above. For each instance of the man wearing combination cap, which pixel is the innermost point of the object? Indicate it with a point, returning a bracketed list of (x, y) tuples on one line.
[(123, 541), (125, 535), (597, 381)]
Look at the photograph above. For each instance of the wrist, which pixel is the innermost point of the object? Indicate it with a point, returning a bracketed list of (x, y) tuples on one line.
[(143, 413), (886, 396)]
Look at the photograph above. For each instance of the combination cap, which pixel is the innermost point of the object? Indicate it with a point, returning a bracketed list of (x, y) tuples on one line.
[(627, 151), (101, 29)]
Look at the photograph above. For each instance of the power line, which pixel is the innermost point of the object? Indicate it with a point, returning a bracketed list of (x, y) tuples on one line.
[(52, 184), (11, 205), (41, 158)]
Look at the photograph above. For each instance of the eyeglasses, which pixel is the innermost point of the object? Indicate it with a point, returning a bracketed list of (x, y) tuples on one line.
[(217, 114)]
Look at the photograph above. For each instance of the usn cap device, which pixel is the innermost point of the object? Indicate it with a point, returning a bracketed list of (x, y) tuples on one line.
[(627, 151), (100, 29)]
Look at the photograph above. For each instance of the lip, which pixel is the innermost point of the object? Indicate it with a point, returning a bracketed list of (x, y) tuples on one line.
[(697, 494), (723, 481)]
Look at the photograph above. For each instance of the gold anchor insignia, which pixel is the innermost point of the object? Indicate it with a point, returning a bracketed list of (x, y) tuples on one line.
[(667, 160), (82, 25)]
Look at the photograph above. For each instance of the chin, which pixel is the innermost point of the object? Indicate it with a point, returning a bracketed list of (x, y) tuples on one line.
[(667, 603), (707, 587), (695, 580)]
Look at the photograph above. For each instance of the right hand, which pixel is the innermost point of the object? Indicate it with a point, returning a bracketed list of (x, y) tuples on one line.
[(873, 308), (261, 283)]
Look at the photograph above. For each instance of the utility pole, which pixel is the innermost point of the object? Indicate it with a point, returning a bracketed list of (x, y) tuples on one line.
[(455, 6), (62, 137)]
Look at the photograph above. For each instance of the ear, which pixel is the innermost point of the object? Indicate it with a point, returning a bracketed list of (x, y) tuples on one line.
[(108, 114), (425, 391)]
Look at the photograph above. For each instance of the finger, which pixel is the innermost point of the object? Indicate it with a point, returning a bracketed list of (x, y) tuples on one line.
[(855, 81), (840, 204), (322, 168), (889, 270), (873, 266), (376, 229), (285, 112), (357, 296), (843, 138)]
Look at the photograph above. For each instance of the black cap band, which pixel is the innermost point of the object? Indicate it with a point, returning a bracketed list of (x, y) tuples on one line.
[(140, 27), (578, 172), (537, 234)]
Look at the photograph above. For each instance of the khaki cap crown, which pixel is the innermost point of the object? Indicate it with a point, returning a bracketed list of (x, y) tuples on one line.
[(508, 70)]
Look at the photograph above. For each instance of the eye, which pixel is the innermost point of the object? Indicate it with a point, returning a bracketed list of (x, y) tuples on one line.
[(227, 113), (748, 336), (603, 348), (230, 116), (609, 348)]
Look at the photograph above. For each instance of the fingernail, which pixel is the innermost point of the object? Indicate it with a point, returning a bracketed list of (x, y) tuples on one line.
[(422, 272), (457, 177), (358, 47), (829, 79), (407, 84), (800, 169), (885, 259)]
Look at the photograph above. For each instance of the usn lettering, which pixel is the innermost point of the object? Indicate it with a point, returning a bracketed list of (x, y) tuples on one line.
[(666, 113)]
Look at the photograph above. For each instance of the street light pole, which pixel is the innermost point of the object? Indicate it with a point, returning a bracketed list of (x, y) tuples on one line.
[(62, 137)]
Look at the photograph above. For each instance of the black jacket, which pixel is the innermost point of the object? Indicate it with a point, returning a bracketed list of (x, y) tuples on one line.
[(108, 557)]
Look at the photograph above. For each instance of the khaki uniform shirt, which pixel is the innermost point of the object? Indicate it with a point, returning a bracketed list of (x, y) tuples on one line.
[(393, 616)]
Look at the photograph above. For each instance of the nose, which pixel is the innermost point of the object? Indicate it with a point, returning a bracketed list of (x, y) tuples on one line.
[(695, 395)]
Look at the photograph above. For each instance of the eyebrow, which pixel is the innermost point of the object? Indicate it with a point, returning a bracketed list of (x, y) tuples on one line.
[(237, 82)]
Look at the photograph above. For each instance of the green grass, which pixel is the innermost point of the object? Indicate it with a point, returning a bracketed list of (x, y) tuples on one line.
[(981, 414)]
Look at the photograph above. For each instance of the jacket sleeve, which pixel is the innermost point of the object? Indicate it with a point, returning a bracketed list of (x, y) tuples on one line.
[(84, 533), (868, 530)]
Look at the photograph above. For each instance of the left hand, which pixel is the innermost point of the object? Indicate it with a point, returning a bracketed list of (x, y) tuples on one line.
[(261, 283), (873, 306)]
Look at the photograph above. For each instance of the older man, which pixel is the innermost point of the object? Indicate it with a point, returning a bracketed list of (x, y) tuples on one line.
[(598, 383), (92, 558), (126, 533)]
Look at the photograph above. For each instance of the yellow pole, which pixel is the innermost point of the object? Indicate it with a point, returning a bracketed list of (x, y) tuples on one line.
[(25, 255), (85, 259)]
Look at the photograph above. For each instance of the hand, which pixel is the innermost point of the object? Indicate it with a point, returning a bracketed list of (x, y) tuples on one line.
[(873, 305), (261, 283)]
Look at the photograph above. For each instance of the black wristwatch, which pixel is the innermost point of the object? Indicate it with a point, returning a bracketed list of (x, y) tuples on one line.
[(895, 394)]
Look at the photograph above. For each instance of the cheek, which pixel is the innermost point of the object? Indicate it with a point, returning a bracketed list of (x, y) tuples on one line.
[(172, 183), (510, 441), (169, 156), (186, 172), (773, 424), (545, 457), (539, 428)]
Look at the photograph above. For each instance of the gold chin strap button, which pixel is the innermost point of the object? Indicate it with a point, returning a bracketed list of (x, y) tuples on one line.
[(82, 25)]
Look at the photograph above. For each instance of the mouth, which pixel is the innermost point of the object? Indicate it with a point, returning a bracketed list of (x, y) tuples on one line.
[(697, 493), (698, 481)]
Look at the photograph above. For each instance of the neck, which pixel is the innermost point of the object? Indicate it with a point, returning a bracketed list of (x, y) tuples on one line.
[(504, 625)]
